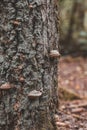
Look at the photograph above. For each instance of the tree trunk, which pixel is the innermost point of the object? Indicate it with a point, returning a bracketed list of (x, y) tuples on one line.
[(28, 64)]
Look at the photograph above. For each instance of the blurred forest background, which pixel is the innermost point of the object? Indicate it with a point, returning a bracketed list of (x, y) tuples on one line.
[(73, 26), (73, 65)]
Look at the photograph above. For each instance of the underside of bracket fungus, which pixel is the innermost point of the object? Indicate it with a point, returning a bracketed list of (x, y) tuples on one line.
[(34, 94), (54, 53), (6, 86)]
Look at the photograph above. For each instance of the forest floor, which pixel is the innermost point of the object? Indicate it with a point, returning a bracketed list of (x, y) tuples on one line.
[(72, 114)]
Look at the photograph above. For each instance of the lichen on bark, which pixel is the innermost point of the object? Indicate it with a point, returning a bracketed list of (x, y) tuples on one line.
[(28, 32)]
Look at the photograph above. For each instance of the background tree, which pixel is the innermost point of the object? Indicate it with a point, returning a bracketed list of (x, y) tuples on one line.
[(28, 64), (73, 26)]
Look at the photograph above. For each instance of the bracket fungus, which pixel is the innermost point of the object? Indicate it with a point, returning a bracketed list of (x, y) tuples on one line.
[(6, 86), (54, 54), (15, 22), (30, 6), (34, 94), (21, 79)]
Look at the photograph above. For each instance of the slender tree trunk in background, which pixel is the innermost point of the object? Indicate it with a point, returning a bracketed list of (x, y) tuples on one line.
[(75, 26), (28, 73), (72, 21), (85, 15)]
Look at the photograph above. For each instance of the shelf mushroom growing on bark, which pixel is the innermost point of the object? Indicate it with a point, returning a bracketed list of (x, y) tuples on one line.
[(6, 86), (34, 94), (54, 54)]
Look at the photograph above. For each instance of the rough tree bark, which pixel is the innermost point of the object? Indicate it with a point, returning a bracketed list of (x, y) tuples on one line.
[(28, 66)]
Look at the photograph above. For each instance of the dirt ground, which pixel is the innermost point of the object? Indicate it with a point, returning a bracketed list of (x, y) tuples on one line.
[(72, 113)]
